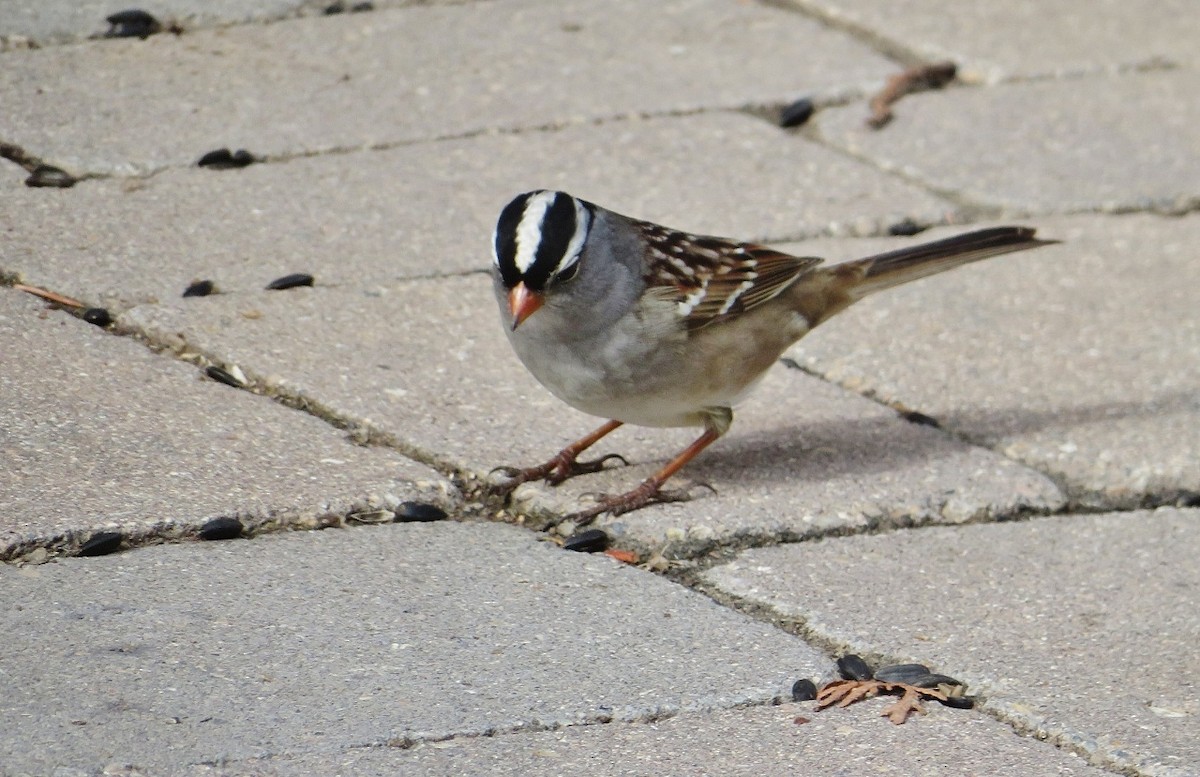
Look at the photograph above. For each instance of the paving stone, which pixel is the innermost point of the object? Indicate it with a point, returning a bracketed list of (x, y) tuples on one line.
[(98, 433), (1023, 38), (1081, 360), (1111, 144), (367, 218), (323, 641), (752, 742), (357, 80), (433, 371), (1079, 628)]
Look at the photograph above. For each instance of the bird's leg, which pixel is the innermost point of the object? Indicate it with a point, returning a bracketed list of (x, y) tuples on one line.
[(563, 466), (651, 490)]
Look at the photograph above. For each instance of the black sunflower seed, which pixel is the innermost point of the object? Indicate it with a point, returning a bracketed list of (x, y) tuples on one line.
[(199, 289), (852, 667), (804, 690), (360, 7), (906, 228), (335, 8), (98, 316), (797, 113), (49, 176), (934, 680), (224, 159), (134, 23), (291, 281), (223, 528), (101, 544), (958, 702), (419, 512), (913, 417), (901, 673), (590, 541), (222, 376)]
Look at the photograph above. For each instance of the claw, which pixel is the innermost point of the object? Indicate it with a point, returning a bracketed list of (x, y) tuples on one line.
[(569, 470)]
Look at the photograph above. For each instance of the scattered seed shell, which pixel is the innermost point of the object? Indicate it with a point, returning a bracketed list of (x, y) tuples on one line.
[(223, 528), (134, 23), (224, 159), (371, 516), (419, 512), (101, 544), (590, 541), (199, 289), (223, 376), (853, 667), (797, 113), (98, 316), (291, 281), (804, 690), (901, 673), (49, 176)]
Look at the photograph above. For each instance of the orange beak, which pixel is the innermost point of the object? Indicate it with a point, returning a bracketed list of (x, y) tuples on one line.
[(523, 303)]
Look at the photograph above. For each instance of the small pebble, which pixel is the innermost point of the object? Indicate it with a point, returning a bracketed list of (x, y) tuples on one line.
[(134, 23), (797, 113), (804, 690), (906, 228), (101, 544), (853, 667), (291, 281), (418, 512), (590, 541), (223, 528), (199, 289), (49, 176), (223, 376), (98, 316)]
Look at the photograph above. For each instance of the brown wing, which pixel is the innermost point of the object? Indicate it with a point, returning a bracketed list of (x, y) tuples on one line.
[(713, 279)]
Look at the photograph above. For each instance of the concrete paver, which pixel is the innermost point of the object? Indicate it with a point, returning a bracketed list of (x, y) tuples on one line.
[(363, 219), (1034, 147), (318, 642), (97, 432), (361, 80), (438, 376), (1080, 628), (1026, 38), (757, 741), (1081, 360)]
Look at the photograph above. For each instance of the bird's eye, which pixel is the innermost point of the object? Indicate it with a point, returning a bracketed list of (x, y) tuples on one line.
[(568, 272)]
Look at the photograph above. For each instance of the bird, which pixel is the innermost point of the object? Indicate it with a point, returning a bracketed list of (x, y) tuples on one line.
[(642, 324)]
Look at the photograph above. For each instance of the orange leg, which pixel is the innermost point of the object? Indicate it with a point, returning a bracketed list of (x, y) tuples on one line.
[(563, 466), (650, 491)]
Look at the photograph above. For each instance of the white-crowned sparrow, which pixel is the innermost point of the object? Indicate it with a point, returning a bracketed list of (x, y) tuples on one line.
[(641, 324)]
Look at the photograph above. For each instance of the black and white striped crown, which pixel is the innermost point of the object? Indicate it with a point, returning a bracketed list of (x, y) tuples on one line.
[(539, 237)]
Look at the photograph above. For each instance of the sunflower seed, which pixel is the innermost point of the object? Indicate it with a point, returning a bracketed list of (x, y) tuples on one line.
[(98, 316), (853, 667), (101, 544), (590, 541), (901, 673), (223, 528), (134, 23), (291, 281), (418, 512), (223, 376), (804, 690), (49, 176), (797, 113), (199, 289)]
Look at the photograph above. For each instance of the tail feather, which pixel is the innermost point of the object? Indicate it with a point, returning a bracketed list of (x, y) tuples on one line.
[(835, 287), (884, 271)]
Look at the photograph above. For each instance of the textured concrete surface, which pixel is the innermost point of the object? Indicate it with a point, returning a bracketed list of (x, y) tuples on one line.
[(1032, 147), (1027, 38), (1082, 360), (388, 142), (349, 638), (99, 433), (1080, 628), (372, 79), (756, 741), (351, 220), (803, 457)]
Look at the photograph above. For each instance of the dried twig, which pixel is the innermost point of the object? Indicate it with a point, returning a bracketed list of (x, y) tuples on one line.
[(915, 79)]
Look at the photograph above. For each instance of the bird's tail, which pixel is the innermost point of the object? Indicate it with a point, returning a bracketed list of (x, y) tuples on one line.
[(849, 282)]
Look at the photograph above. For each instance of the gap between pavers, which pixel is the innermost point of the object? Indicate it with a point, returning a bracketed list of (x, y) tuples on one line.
[(788, 739), (368, 218), (315, 642), (1112, 144), (1080, 629), (804, 457), (361, 80), (1080, 360), (99, 433)]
